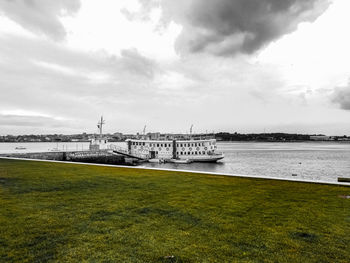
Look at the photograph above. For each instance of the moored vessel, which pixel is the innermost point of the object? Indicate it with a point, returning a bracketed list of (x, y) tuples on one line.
[(177, 151), (20, 148)]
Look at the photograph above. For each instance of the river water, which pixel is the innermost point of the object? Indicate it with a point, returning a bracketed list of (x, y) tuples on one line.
[(312, 161)]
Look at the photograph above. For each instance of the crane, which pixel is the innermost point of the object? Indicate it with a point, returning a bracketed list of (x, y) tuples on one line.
[(100, 124)]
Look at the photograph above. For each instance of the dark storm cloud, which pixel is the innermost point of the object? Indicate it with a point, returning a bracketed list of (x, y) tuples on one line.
[(40, 16), (341, 96), (227, 27)]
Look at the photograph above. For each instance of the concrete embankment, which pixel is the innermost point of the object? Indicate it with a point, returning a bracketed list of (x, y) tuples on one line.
[(102, 157)]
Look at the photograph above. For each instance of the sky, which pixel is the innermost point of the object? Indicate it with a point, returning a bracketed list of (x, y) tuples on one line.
[(247, 66)]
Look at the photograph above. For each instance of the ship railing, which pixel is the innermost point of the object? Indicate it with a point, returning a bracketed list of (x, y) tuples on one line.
[(117, 148), (125, 151)]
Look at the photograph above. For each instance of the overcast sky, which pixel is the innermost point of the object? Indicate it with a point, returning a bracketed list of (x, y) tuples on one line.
[(222, 65)]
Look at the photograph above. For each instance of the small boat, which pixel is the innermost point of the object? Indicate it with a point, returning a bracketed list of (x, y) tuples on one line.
[(55, 150), (181, 161), (154, 160), (20, 148)]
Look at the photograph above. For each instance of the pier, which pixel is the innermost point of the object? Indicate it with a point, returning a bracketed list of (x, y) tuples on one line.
[(101, 156)]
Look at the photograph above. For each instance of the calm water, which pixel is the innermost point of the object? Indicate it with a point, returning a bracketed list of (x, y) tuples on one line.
[(316, 161)]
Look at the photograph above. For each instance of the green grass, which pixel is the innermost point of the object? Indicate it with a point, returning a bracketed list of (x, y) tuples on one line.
[(56, 212)]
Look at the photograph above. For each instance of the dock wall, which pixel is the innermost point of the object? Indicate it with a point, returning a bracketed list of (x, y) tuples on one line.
[(101, 157)]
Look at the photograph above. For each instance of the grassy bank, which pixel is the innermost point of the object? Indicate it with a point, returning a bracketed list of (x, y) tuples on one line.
[(73, 213)]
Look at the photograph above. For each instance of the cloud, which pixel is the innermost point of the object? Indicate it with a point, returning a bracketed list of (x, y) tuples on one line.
[(228, 27), (43, 76), (40, 16), (30, 121), (341, 96)]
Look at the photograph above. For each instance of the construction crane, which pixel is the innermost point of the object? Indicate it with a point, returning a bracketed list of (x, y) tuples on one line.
[(191, 131), (100, 124)]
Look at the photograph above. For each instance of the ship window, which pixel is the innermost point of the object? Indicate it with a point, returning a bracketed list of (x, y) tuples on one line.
[(203, 152), (189, 153), (143, 143), (157, 144)]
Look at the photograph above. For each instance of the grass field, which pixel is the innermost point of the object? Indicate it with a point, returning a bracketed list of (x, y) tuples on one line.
[(56, 212)]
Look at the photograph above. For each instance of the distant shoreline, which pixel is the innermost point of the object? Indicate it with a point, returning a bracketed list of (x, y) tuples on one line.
[(224, 141)]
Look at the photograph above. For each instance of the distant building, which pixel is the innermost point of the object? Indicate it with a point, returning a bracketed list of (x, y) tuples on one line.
[(320, 138), (117, 136), (153, 135)]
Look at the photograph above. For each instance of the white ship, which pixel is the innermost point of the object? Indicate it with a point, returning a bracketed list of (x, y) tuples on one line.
[(181, 151)]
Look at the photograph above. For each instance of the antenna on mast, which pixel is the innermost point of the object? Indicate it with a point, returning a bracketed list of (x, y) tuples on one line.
[(191, 131), (144, 130)]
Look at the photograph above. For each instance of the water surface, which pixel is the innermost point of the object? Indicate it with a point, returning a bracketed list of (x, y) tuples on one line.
[(314, 161)]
